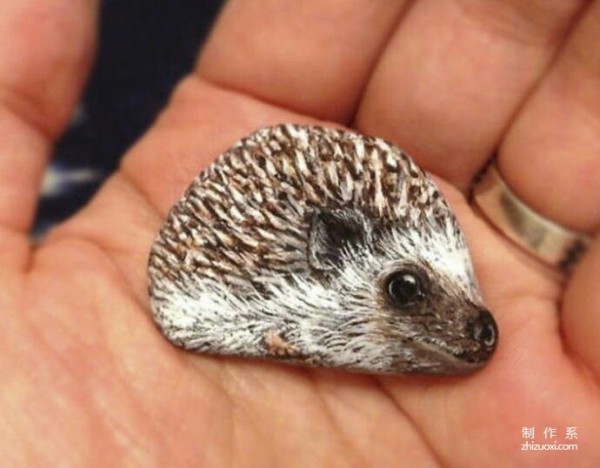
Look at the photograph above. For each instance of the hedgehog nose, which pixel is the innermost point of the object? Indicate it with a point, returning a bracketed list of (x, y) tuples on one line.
[(485, 330)]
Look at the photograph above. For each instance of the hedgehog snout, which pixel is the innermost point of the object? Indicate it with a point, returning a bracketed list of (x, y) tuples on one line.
[(485, 332)]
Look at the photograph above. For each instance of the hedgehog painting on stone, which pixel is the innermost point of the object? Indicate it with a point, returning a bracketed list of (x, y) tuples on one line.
[(320, 247)]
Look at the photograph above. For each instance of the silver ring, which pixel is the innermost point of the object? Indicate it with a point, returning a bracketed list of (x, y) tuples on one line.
[(553, 244)]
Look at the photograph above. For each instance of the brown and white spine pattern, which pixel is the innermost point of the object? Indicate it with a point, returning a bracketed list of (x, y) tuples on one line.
[(231, 270)]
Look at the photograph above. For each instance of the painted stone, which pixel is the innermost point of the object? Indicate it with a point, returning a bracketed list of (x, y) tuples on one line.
[(320, 247)]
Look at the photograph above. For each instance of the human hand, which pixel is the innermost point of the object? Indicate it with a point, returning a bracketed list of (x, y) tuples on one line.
[(86, 377)]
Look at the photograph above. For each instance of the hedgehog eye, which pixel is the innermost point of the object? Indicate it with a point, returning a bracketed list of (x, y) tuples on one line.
[(404, 288)]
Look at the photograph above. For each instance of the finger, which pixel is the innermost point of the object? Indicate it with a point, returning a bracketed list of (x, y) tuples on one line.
[(454, 74), (551, 154), (551, 159), (44, 54), (312, 56)]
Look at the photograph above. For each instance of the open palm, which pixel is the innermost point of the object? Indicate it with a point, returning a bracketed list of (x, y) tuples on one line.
[(87, 379)]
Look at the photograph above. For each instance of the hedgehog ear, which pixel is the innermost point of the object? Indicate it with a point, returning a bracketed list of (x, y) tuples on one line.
[(333, 230)]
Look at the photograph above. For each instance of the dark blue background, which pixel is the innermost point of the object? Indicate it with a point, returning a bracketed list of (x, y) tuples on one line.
[(145, 47)]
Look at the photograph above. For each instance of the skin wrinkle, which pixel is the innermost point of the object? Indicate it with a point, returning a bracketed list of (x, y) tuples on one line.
[(23, 258), (505, 26), (392, 403), (237, 393), (84, 239), (255, 419), (81, 395), (585, 369), (26, 109), (341, 436), (418, 430), (228, 372), (223, 377), (346, 440), (578, 50), (143, 445), (217, 390)]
